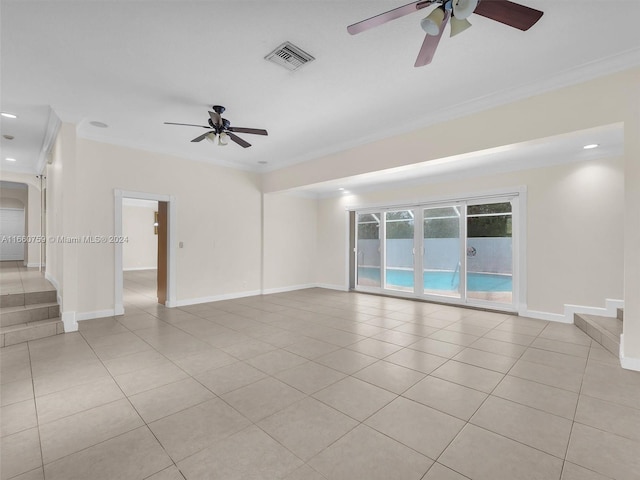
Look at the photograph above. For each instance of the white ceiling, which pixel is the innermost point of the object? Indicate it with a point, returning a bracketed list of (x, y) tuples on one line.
[(136, 64)]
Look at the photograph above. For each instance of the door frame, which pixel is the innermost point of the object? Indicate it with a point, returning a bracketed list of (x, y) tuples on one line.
[(119, 195), (518, 198)]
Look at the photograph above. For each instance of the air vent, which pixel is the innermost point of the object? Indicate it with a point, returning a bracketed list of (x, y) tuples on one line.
[(289, 56)]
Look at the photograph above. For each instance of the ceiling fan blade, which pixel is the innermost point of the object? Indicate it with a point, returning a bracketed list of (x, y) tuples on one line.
[(216, 118), (512, 14), (202, 137), (238, 140), (430, 44), (388, 16), (185, 124), (255, 131)]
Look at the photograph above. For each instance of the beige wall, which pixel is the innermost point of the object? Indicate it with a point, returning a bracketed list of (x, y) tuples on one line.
[(62, 204), (140, 251), (602, 101), (34, 208), (218, 219), (290, 237), (574, 241), (631, 344)]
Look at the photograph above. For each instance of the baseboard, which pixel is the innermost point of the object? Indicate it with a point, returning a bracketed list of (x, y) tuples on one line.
[(35, 265), (628, 363), (329, 286), (610, 310), (133, 269), (551, 317), (51, 279), (216, 298), (96, 314), (291, 288), (69, 321), (54, 282), (268, 291)]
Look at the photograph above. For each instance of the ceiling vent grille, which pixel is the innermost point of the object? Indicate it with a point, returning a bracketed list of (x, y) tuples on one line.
[(289, 56)]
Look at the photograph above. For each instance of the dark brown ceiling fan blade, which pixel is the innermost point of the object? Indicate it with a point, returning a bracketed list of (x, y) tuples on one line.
[(430, 44), (185, 124), (388, 16), (202, 137), (238, 140), (254, 131), (512, 14), (216, 118)]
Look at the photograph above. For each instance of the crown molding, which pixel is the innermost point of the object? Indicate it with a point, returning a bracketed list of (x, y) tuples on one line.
[(573, 76)]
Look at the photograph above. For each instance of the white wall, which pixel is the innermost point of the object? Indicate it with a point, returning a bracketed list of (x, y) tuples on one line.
[(574, 229), (140, 251), (290, 236)]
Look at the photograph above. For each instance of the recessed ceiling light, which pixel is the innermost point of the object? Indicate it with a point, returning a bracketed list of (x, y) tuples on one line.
[(341, 189), (8, 137), (98, 124), (8, 115), (590, 146), (9, 159), (262, 162)]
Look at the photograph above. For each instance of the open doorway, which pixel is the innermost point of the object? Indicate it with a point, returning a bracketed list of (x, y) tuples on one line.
[(145, 258), (140, 251), (13, 218)]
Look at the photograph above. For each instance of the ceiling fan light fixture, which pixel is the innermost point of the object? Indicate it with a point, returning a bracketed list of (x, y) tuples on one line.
[(431, 23), (211, 137), (464, 8), (459, 26), (223, 139)]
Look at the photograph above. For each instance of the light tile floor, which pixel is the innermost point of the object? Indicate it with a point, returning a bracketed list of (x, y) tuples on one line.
[(16, 278), (317, 384)]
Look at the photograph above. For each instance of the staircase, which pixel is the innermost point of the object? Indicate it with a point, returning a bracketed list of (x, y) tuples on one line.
[(604, 330), (28, 316)]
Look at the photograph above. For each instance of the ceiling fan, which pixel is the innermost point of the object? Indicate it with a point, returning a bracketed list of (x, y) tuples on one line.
[(456, 11), (221, 127)]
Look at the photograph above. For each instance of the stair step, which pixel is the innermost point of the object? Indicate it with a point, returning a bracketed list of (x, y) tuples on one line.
[(25, 332), (604, 330), (28, 313), (27, 298)]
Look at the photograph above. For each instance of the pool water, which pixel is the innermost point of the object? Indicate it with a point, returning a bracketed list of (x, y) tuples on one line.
[(438, 280)]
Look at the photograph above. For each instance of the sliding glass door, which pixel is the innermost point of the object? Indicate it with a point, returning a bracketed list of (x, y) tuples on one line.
[(490, 252), (441, 250), (457, 252), (368, 250), (398, 257)]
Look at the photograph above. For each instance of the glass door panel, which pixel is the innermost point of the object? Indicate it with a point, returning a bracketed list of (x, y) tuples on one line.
[(490, 252), (399, 230), (441, 246), (368, 250)]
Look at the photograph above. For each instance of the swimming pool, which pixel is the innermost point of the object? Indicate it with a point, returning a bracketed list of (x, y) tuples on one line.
[(437, 280)]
